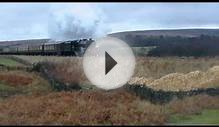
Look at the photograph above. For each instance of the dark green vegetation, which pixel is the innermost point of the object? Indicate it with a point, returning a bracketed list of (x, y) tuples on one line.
[(142, 51), (170, 32), (162, 97), (188, 42), (197, 46)]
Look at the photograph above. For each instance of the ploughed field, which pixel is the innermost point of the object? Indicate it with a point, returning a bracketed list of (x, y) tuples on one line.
[(54, 90)]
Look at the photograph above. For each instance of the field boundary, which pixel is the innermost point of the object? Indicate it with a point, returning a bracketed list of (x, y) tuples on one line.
[(161, 97)]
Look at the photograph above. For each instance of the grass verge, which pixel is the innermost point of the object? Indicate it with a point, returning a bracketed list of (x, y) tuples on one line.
[(9, 62), (205, 117)]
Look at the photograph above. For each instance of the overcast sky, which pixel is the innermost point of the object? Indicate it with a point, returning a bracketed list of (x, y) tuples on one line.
[(38, 20)]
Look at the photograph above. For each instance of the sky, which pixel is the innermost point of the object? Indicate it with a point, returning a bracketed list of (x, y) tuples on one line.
[(77, 20)]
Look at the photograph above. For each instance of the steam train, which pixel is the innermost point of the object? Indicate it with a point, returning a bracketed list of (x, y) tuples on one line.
[(59, 48)]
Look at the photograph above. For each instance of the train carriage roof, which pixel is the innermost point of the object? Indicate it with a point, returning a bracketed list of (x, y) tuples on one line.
[(50, 42)]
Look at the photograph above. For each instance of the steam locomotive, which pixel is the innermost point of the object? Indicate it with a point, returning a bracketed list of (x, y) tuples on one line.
[(59, 48)]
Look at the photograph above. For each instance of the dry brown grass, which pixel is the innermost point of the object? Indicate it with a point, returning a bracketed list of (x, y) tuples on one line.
[(180, 81), (116, 107), (15, 78), (168, 73), (81, 108), (37, 59), (70, 72), (22, 82), (155, 67), (96, 107), (193, 105), (67, 69)]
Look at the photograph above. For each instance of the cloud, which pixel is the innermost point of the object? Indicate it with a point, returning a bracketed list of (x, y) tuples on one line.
[(162, 15), (23, 21), (84, 20)]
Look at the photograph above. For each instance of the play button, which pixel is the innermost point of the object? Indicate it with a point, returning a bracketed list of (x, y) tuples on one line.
[(108, 63)]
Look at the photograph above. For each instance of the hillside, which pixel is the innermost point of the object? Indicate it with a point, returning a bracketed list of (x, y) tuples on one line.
[(181, 42), (23, 42), (170, 32), (154, 37)]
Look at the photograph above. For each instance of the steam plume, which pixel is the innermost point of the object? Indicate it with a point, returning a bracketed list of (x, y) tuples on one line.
[(75, 21)]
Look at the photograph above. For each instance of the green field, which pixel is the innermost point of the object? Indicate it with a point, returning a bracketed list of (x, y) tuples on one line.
[(8, 62), (142, 51), (206, 117), (6, 90)]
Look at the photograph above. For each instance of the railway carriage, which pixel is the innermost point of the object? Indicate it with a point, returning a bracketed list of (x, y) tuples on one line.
[(22, 50), (50, 48), (34, 49), (61, 48)]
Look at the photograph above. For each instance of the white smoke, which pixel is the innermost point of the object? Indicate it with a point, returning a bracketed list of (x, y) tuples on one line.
[(76, 21)]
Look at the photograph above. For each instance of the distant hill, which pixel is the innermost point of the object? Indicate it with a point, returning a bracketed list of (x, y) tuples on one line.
[(170, 32), (146, 37), (178, 42), (23, 42)]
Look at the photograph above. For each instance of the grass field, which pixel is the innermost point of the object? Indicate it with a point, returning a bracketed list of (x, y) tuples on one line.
[(175, 72), (21, 82), (9, 62), (155, 67), (35, 102), (205, 117), (6, 90)]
